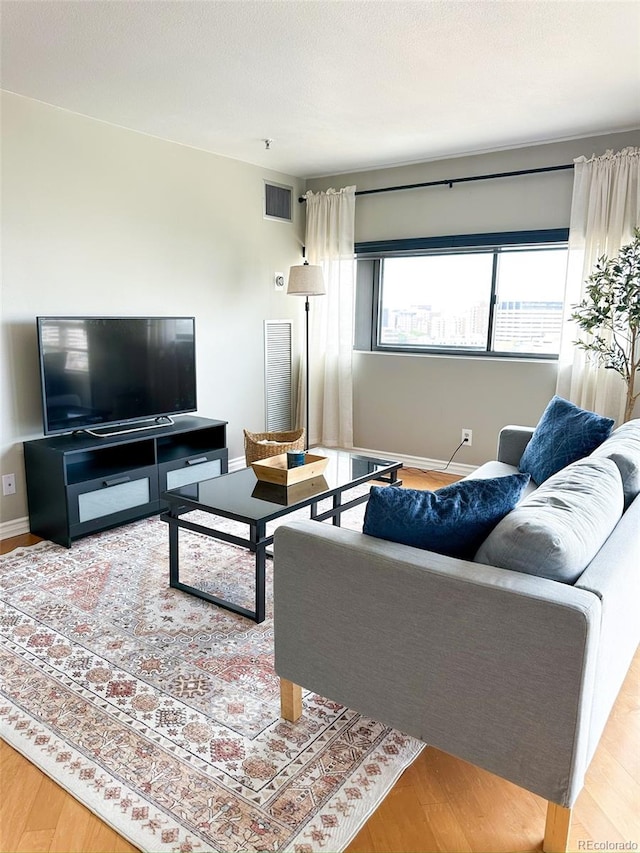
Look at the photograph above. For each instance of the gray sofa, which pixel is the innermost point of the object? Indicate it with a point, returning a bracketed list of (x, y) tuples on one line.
[(512, 672)]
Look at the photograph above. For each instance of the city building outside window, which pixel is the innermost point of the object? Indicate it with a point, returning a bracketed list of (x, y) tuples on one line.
[(498, 300)]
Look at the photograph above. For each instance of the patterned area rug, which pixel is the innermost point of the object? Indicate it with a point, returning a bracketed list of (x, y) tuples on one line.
[(160, 711)]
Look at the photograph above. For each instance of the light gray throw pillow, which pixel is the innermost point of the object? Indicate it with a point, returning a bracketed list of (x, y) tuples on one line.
[(556, 531), (623, 446)]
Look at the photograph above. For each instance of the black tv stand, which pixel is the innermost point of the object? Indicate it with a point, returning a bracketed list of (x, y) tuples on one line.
[(80, 483), (138, 426)]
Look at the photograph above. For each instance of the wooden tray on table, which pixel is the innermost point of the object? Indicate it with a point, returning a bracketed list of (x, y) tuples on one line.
[(274, 469)]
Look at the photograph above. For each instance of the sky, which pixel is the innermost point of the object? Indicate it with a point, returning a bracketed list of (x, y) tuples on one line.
[(445, 281)]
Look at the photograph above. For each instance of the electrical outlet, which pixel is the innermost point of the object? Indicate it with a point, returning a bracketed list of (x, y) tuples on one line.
[(278, 280), (8, 484), (467, 437)]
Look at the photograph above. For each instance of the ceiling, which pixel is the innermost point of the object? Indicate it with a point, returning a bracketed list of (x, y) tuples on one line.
[(338, 86)]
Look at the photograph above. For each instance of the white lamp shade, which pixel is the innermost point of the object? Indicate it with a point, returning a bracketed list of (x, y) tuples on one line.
[(306, 280)]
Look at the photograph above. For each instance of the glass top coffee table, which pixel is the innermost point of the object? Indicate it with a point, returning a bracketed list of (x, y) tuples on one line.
[(239, 495)]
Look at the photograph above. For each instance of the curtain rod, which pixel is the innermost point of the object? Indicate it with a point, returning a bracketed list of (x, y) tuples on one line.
[(449, 182)]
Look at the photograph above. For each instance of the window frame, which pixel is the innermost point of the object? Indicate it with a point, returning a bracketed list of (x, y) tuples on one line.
[(367, 328)]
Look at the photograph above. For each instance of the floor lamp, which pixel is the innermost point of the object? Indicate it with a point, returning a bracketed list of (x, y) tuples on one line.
[(306, 280)]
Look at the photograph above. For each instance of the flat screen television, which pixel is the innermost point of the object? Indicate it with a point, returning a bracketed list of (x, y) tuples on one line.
[(105, 371)]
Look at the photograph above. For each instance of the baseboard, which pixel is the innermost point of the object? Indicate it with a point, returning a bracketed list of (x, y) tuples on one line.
[(237, 463), (15, 527)]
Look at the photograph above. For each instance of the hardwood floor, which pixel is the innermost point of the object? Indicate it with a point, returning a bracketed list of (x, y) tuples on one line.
[(439, 803)]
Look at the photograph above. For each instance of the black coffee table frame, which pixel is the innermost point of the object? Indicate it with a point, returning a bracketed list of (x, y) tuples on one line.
[(180, 503)]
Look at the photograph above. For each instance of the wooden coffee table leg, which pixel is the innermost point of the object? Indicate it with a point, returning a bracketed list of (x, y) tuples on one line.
[(290, 700)]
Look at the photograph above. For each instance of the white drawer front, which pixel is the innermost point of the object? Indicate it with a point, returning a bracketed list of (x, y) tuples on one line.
[(113, 499), (194, 474)]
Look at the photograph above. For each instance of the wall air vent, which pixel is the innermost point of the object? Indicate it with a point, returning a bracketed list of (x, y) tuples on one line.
[(278, 202), (278, 384)]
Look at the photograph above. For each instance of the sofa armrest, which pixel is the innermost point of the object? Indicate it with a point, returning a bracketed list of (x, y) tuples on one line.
[(512, 441), (613, 576), (489, 665)]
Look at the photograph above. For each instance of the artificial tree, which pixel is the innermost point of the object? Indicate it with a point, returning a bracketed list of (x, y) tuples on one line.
[(610, 314)]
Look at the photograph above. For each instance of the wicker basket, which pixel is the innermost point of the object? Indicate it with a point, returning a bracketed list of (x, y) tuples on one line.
[(262, 445)]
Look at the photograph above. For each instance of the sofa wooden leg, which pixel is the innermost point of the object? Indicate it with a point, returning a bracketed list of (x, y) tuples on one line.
[(290, 700), (556, 830)]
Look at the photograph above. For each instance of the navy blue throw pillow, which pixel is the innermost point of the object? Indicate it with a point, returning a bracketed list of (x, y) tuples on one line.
[(454, 520), (564, 434)]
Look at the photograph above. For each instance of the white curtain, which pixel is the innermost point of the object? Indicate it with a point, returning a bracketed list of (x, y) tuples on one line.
[(605, 209), (330, 243)]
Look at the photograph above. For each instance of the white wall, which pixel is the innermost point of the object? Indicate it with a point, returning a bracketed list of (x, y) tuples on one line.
[(101, 220), (422, 404), (417, 405)]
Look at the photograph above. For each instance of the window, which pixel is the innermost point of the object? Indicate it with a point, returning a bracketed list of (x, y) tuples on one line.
[(501, 299)]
